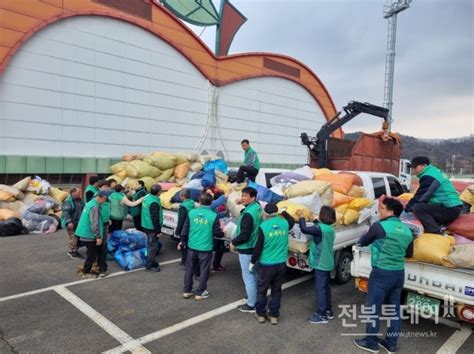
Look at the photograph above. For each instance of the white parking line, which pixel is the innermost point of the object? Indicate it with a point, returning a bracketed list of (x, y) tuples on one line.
[(194, 320), (118, 334), (456, 340), (49, 288)]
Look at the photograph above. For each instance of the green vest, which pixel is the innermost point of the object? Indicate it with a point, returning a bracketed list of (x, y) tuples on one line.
[(255, 211), (118, 211), (275, 244), (147, 221), (188, 204), (105, 211), (89, 188), (388, 253), (446, 194), (321, 255), (136, 210), (201, 221), (69, 201), (246, 158), (84, 229)]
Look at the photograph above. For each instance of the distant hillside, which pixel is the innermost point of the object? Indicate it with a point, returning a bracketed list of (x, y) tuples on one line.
[(440, 152)]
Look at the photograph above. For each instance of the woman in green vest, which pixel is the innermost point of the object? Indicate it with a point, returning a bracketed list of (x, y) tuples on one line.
[(118, 207), (321, 259), (271, 251), (187, 204)]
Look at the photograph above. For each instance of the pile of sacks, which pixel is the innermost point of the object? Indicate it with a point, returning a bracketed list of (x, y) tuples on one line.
[(156, 167), (128, 248), (32, 201)]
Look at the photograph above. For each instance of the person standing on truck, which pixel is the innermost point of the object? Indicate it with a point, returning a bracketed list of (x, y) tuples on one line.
[(90, 231), (118, 207), (390, 242), (71, 213), (251, 164), (198, 233), (271, 251), (321, 259), (152, 221), (136, 211), (247, 232), (187, 204), (91, 189), (436, 202)]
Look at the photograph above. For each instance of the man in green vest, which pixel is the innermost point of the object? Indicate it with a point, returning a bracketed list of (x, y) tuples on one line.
[(118, 207), (390, 242), (71, 213), (436, 203), (136, 211), (90, 231), (244, 243), (187, 204), (91, 189), (251, 164), (152, 221), (271, 251), (198, 233)]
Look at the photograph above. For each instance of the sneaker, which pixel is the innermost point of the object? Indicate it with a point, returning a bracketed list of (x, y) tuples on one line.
[(204, 295), (246, 308), (273, 320), (188, 295), (218, 269), (383, 344), (102, 275), (75, 255), (316, 318), (260, 319), (153, 269), (329, 315), (362, 344), (89, 276)]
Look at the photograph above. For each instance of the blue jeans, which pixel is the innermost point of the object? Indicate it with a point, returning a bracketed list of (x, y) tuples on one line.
[(250, 279), (385, 287), (323, 291)]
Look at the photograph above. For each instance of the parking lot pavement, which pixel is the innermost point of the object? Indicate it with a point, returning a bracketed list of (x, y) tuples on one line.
[(146, 310)]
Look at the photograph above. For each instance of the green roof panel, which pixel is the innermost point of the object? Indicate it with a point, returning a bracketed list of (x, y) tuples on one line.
[(196, 12)]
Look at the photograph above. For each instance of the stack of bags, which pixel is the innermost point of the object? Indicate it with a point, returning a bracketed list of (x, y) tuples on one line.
[(128, 248)]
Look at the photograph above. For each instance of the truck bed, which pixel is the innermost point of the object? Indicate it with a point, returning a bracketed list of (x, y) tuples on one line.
[(425, 278)]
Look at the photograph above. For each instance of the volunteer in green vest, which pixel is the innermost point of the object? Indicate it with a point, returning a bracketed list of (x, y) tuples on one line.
[(198, 233), (321, 259), (247, 232), (390, 242), (152, 221), (71, 213), (91, 189), (136, 211), (90, 231), (436, 203), (271, 251), (118, 207), (187, 204), (104, 185), (251, 163)]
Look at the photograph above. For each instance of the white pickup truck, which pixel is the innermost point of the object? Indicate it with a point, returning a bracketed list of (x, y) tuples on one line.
[(376, 184), (430, 290)]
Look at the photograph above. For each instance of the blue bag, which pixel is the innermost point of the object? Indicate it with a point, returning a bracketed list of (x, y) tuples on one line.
[(220, 165), (209, 179), (132, 259), (264, 194)]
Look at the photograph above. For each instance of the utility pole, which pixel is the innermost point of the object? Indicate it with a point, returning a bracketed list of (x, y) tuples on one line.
[(391, 10)]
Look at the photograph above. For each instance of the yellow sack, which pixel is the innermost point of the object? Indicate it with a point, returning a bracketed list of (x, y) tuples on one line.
[(342, 208), (181, 171), (225, 187), (148, 182), (356, 191), (291, 209), (360, 203), (118, 167), (161, 160), (6, 197), (339, 218), (165, 197), (117, 178), (196, 166), (23, 184), (133, 156), (13, 191), (467, 195), (129, 183), (7, 214), (405, 196), (221, 177), (306, 187), (58, 194), (432, 248), (166, 175), (340, 199), (321, 171), (181, 158), (350, 216), (138, 169)]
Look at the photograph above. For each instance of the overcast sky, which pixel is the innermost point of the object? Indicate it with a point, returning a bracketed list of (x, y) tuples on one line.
[(344, 42)]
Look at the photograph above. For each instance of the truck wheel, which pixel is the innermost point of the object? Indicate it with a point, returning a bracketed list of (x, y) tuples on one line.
[(343, 268)]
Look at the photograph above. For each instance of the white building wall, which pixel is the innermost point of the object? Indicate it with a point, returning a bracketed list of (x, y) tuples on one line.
[(100, 87)]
